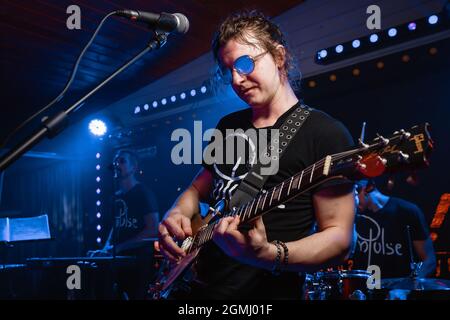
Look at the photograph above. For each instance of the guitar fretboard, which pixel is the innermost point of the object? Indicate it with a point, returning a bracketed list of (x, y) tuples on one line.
[(269, 199), (346, 161)]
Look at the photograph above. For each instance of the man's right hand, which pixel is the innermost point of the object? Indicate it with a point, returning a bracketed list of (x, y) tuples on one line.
[(174, 227)]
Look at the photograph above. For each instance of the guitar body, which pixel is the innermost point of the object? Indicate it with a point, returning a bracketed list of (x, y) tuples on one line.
[(177, 276)]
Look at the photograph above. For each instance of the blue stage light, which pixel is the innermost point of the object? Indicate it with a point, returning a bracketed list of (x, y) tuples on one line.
[(164, 101), (173, 98), (97, 127), (433, 19), (339, 48), (323, 53), (392, 32), (137, 110), (155, 104), (183, 96), (373, 38), (412, 26), (356, 43), (193, 92), (203, 89), (146, 106)]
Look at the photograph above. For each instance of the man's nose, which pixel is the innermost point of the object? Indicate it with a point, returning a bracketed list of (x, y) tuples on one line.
[(237, 77)]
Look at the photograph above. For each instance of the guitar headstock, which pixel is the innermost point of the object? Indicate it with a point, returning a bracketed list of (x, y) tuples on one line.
[(404, 150)]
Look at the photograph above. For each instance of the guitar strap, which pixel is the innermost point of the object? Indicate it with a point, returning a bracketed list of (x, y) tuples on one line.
[(253, 182)]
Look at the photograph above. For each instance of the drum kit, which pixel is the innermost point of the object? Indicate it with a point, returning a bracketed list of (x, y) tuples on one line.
[(353, 285)]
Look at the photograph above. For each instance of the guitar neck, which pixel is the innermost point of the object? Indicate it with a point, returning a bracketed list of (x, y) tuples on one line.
[(267, 200)]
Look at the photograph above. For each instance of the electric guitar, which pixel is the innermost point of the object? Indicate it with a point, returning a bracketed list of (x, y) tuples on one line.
[(404, 150)]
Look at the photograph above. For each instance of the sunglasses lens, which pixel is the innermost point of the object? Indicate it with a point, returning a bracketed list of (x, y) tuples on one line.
[(244, 65)]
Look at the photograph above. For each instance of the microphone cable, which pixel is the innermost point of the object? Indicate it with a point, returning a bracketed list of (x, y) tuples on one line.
[(66, 87)]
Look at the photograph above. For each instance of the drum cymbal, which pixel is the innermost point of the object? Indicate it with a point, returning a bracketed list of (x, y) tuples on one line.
[(415, 284)]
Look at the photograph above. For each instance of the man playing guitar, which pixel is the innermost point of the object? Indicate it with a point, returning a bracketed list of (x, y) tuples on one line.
[(263, 258)]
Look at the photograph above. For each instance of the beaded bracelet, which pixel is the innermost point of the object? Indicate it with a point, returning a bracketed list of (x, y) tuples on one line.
[(286, 254), (279, 244), (276, 266)]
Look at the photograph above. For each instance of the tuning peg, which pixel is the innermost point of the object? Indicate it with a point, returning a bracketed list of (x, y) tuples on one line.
[(361, 166), (362, 144), (390, 183), (383, 139), (413, 179), (383, 161), (405, 134), (403, 157)]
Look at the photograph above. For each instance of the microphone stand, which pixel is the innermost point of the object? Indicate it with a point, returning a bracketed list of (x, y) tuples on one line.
[(414, 267), (52, 126)]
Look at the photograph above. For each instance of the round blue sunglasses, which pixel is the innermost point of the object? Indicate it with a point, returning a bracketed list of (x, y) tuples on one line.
[(244, 65)]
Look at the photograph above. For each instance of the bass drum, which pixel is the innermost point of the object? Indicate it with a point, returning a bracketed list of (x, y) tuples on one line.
[(337, 285)]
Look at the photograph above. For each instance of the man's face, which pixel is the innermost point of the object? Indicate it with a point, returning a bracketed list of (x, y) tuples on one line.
[(124, 164), (259, 87)]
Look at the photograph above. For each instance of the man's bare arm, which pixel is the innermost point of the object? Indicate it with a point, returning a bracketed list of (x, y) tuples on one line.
[(335, 211), (177, 221)]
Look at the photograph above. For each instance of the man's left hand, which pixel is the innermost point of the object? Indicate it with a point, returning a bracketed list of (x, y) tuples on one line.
[(251, 248)]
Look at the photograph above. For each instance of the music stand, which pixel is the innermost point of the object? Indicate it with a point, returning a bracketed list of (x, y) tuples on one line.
[(24, 229), (14, 230)]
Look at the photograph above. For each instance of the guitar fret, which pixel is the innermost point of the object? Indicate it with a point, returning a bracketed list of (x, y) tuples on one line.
[(243, 211), (257, 204), (294, 183), (271, 197), (200, 240), (300, 181), (194, 243), (239, 211), (210, 232), (204, 236), (281, 190), (312, 173), (251, 207), (246, 210), (290, 184), (264, 202)]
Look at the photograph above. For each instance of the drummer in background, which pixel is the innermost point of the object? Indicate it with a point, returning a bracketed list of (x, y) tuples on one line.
[(386, 226)]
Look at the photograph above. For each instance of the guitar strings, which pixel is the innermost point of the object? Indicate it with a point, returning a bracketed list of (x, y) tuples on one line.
[(206, 233)]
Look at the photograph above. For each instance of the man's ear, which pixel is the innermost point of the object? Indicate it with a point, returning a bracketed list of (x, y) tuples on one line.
[(281, 56)]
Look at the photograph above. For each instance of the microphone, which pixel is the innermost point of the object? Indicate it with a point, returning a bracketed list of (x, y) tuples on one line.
[(165, 22)]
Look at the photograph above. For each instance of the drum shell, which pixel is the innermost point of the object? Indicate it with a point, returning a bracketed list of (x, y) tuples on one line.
[(338, 285)]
